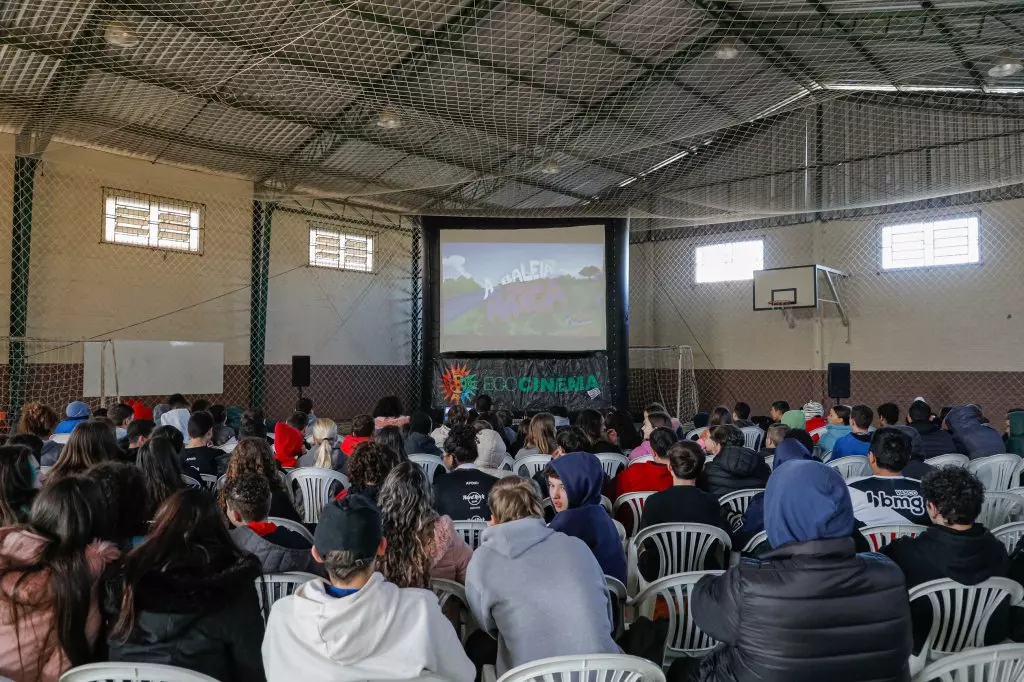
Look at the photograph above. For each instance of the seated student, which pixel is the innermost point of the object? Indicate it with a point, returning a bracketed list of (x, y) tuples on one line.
[(325, 451), (491, 452), (188, 604), (419, 442), (741, 416), (574, 483), (305, 406), (972, 436), (457, 415), (200, 405), (362, 430), (90, 443), (255, 455), (177, 414), (252, 424), (569, 439), (812, 609), (838, 426), (916, 468), (359, 626), (462, 492), (561, 416), (222, 433), (540, 436), (652, 421), (858, 441), (814, 420), (389, 412), (735, 467), (391, 437), (791, 449), (888, 415), (288, 440), (654, 475), (621, 430), (794, 419), (888, 497), (123, 487), (935, 440), (247, 498), (592, 423), (122, 416), (77, 413), (197, 457), (18, 481), (517, 594), (139, 432), (507, 425), (368, 466), (158, 461), (40, 420), (954, 547), (1014, 437), (49, 569), (775, 434), (778, 408)]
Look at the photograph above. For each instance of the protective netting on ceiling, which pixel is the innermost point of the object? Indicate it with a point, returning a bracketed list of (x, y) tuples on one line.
[(678, 111)]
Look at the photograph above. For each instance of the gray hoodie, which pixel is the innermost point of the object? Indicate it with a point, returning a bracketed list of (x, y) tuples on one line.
[(540, 592)]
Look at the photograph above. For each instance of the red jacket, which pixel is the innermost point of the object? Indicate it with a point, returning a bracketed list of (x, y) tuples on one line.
[(816, 427), (287, 444), (642, 477), (350, 442)]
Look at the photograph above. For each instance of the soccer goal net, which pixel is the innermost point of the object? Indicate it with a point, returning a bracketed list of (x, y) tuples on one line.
[(662, 374)]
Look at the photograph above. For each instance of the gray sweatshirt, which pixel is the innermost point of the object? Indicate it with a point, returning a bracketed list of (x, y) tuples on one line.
[(540, 592)]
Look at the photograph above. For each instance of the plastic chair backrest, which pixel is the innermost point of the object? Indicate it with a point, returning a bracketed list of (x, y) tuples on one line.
[(684, 637), (998, 509), (752, 437), (448, 591), (471, 531), (315, 489), (191, 482), (642, 458), (694, 434), (623, 537), (596, 667), (770, 461), (612, 462), (222, 481), (274, 586), (881, 535), (1009, 534), (739, 500), (531, 464), (961, 613), (635, 502), (682, 547), (616, 605), (753, 542), (209, 481), (997, 473), (428, 463), (853, 466), (607, 504), (1003, 662), (293, 526), (954, 459), (132, 672), (508, 463)]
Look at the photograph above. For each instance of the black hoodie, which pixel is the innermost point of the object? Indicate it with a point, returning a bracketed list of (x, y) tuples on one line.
[(934, 441), (734, 468), (968, 557)]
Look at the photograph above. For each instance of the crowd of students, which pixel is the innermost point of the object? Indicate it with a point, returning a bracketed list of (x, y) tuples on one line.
[(112, 549)]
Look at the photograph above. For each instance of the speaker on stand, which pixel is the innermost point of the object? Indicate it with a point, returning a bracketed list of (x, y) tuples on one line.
[(839, 380), (300, 372)]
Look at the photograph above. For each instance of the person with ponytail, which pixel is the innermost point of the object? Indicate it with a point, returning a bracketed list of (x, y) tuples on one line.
[(49, 570), (325, 453)]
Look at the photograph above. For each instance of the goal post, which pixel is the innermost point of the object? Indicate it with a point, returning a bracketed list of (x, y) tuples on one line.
[(663, 374)]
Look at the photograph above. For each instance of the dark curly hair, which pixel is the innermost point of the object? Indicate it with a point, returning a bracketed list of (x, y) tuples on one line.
[(370, 463), (37, 419), (461, 444), (249, 495), (956, 493), (407, 505), (255, 456)]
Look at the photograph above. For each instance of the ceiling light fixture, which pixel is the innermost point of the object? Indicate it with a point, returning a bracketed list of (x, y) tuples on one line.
[(550, 166), (727, 49), (1006, 64), (388, 119), (120, 34)]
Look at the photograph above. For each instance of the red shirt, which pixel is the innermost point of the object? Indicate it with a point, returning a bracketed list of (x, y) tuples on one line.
[(350, 442), (638, 478), (813, 425)]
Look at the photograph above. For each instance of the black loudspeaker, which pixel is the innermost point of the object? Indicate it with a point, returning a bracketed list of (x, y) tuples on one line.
[(838, 380), (300, 371)]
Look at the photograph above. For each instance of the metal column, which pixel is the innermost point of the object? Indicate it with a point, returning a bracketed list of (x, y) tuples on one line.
[(262, 216), (21, 249)]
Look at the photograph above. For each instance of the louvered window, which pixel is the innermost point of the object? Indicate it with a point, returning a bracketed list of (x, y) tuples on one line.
[(922, 245), (154, 222), (331, 247)]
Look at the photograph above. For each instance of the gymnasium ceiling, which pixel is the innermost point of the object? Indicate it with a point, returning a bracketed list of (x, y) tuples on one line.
[(681, 111)]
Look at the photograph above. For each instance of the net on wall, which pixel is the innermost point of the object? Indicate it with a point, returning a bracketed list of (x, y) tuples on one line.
[(679, 113)]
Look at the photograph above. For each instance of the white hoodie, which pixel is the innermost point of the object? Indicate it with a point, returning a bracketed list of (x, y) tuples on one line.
[(382, 632)]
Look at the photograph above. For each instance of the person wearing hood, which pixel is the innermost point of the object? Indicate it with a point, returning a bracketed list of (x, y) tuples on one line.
[(812, 581), (288, 440), (814, 420), (734, 467), (935, 440), (574, 483), (539, 592), (973, 437), (178, 418), (247, 499), (357, 625), (188, 604), (1014, 439), (838, 426), (954, 547), (789, 450), (491, 452), (77, 412), (419, 441), (858, 441), (794, 419)]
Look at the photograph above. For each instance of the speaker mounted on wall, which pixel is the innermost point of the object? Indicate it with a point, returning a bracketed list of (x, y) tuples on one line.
[(300, 371), (839, 380)]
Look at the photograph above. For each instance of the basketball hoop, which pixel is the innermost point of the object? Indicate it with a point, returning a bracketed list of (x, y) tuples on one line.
[(784, 305)]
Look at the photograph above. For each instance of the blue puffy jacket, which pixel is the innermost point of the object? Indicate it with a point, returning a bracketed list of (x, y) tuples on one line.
[(973, 438)]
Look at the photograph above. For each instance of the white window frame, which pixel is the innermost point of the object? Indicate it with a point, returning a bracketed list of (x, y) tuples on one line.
[(926, 238), (148, 221), (726, 261), (343, 261)]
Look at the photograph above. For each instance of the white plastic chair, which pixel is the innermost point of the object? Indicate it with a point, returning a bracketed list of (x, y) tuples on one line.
[(1000, 663), (953, 459), (853, 466), (610, 667), (314, 489), (61, 438), (753, 542), (508, 463), (642, 458), (753, 436), (274, 586), (209, 482), (694, 435), (681, 548), (607, 504), (132, 672), (529, 465), (191, 482), (623, 536), (999, 509), (1009, 534), (293, 526), (635, 502), (684, 637), (770, 461), (881, 535), (997, 473), (617, 599), (470, 531), (428, 463), (612, 462), (221, 482), (740, 499), (448, 590)]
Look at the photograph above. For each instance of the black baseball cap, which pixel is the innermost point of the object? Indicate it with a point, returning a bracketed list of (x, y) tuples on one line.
[(352, 524)]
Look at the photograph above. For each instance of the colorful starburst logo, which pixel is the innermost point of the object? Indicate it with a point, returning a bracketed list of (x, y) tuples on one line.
[(458, 385)]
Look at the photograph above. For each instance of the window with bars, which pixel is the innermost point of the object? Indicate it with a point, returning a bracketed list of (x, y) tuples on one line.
[(155, 222), (922, 245), (334, 247), (729, 262)]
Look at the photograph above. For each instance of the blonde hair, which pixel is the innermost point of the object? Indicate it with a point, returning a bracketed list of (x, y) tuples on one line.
[(325, 435), (513, 498), (542, 433)]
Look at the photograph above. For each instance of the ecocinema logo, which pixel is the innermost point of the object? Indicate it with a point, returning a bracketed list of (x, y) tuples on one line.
[(460, 385)]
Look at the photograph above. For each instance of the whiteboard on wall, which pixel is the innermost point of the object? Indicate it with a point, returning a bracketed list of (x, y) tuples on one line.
[(153, 368)]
